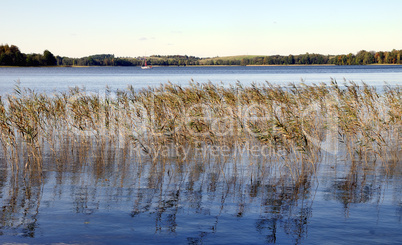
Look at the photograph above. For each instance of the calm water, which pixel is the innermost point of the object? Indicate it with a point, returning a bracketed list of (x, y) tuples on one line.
[(95, 79), (94, 194), (86, 198)]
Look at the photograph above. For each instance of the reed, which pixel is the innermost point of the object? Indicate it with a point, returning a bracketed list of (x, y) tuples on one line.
[(293, 123)]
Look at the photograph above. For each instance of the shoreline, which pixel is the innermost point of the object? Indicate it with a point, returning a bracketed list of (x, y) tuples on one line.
[(292, 65)]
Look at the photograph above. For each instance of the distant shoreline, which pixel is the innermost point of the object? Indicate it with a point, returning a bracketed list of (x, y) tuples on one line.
[(12, 56), (292, 65)]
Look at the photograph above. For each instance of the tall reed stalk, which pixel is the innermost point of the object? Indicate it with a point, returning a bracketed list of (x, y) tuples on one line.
[(292, 122)]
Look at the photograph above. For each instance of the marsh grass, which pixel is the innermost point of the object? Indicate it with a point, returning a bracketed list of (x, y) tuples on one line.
[(201, 148), (287, 126)]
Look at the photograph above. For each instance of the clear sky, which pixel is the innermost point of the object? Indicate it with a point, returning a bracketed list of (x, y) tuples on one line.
[(207, 28)]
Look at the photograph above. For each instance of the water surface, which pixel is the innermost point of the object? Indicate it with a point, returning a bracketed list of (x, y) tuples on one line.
[(96, 192), (82, 197), (95, 79)]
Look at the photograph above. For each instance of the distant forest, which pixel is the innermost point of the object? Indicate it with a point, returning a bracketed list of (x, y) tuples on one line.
[(12, 56)]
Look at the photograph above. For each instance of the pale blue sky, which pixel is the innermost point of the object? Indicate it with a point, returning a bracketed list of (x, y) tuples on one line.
[(201, 28)]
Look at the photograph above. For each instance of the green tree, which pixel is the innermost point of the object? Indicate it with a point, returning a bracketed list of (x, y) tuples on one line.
[(291, 59), (49, 59), (34, 60), (244, 62), (11, 56), (368, 58), (379, 57)]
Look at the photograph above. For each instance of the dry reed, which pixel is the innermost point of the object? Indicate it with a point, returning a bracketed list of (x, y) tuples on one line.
[(292, 123)]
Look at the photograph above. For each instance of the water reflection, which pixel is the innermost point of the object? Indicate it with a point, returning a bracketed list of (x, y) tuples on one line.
[(87, 183), (360, 183), (21, 197)]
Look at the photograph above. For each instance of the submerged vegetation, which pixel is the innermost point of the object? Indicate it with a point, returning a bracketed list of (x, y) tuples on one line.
[(12, 56), (290, 126)]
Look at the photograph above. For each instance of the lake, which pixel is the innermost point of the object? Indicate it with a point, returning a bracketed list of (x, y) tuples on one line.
[(103, 190), (95, 79)]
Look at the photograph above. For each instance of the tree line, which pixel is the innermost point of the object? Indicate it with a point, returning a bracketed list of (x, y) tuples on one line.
[(361, 58), (97, 60), (111, 60), (365, 58), (305, 59), (12, 56)]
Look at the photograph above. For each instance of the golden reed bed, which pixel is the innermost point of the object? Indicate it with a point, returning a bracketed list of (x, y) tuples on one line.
[(293, 124)]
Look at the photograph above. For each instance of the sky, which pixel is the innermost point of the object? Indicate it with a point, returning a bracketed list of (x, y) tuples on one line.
[(207, 28)]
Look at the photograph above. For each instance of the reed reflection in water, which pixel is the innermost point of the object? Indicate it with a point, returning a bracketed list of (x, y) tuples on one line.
[(101, 193)]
